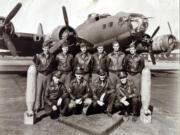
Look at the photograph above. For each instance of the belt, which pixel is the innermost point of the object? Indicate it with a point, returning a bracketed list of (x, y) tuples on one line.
[(133, 73)]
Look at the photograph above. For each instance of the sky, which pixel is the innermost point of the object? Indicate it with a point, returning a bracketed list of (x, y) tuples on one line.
[(49, 13)]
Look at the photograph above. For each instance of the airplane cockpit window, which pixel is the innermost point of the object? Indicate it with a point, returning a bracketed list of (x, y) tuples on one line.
[(110, 24), (104, 26)]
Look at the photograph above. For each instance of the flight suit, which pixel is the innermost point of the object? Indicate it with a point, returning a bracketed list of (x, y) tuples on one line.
[(52, 94), (45, 66), (129, 91), (84, 61), (99, 62), (99, 88), (134, 65), (65, 65), (114, 62), (79, 90)]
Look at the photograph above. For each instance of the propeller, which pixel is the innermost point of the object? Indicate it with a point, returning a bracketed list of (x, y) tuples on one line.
[(68, 33), (4, 26), (150, 50), (173, 42)]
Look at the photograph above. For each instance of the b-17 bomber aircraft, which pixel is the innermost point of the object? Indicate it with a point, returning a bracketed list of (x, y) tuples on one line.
[(96, 30)]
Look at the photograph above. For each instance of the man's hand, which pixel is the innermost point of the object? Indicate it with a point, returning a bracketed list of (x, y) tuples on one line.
[(54, 107), (78, 101), (59, 101), (100, 102), (123, 100), (102, 97)]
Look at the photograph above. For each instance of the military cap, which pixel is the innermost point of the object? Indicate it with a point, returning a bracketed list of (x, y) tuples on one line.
[(132, 45), (101, 72), (79, 71), (122, 74), (56, 74)]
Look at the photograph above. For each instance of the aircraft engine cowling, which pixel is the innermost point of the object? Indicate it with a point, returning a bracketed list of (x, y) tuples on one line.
[(61, 31), (163, 43)]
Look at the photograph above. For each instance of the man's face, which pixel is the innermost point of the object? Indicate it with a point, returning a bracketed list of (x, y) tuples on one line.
[(123, 80), (116, 47), (79, 76), (102, 77), (65, 49), (45, 50), (55, 79), (132, 50), (83, 49), (100, 49)]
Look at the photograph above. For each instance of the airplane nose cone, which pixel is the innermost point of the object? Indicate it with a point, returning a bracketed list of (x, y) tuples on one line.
[(138, 26)]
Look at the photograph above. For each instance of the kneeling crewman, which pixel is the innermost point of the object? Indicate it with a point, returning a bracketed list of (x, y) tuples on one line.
[(102, 92), (56, 97), (80, 93), (127, 95)]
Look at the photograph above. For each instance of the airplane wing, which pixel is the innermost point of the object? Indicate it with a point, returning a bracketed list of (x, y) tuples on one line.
[(25, 44)]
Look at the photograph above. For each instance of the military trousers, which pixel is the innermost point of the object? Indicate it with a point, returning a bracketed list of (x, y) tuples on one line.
[(40, 90), (137, 81), (66, 78), (76, 108)]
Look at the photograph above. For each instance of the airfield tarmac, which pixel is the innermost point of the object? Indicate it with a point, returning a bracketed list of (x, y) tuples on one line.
[(164, 99)]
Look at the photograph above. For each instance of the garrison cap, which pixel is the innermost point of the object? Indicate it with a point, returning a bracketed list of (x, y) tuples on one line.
[(122, 74), (101, 72), (79, 71)]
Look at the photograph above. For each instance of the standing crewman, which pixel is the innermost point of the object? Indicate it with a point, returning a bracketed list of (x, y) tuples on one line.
[(80, 93), (103, 90), (65, 64), (114, 62), (99, 61), (45, 66), (84, 61), (127, 95), (133, 64), (56, 96)]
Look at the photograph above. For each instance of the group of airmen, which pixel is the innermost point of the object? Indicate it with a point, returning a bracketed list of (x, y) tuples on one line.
[(88, 83)]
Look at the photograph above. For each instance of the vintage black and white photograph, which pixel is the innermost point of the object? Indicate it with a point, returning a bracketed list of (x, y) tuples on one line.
[(89, 67)]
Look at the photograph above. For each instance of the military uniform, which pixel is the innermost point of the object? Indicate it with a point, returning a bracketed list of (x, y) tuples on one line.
[(45, 66), (84, 61), (65, 65), (79, 89), (129, 91), (99, 88), (99, 62), (134, 64), (114, 62), (52, 94)]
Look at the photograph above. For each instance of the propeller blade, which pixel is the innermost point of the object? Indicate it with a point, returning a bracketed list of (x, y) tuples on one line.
[(169, 28), (12, 13), (40, 30), (80, 40), (171, 47), (9, 44), (151, 53), (56, 46), (65, 16), (155, 32)]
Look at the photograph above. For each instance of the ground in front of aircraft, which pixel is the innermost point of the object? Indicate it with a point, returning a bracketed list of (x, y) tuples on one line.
[(166, 110)]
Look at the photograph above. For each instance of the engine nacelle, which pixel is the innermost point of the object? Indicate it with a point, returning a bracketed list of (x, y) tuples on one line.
[(61, 31), (162, 43)]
